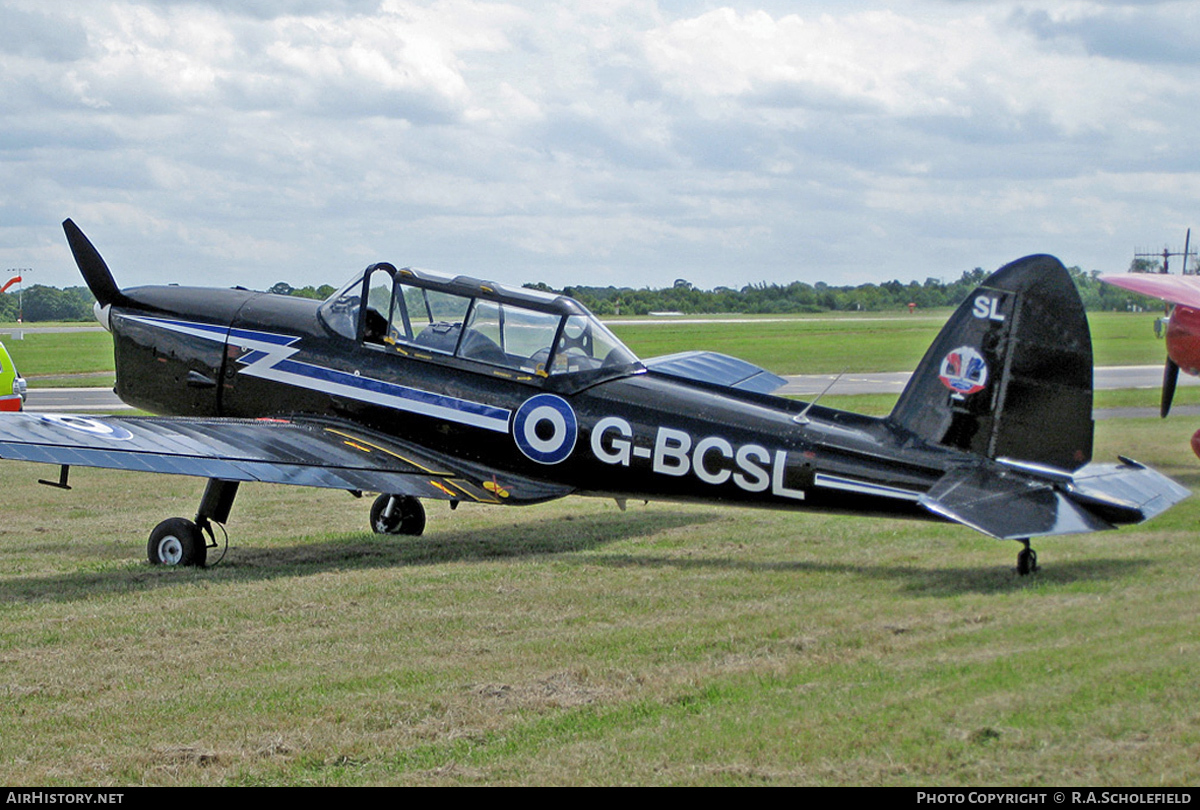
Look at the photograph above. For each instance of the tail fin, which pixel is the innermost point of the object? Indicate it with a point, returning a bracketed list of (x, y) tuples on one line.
[(1010, 375)]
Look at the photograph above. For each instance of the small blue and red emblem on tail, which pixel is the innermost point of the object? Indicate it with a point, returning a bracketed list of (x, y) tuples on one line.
[(964, 371)]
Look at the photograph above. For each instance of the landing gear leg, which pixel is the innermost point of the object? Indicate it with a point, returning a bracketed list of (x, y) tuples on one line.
[(179, 541), (215, 505), (1026, 559), (397, 514)]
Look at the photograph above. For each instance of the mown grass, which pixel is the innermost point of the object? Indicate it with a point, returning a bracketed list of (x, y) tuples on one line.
[(51, 358), (871, 342), (572, 643), (881, 404), (801, 345)]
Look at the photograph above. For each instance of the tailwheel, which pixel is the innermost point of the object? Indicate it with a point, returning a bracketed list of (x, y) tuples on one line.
[(177, 541), (1026, 560), (397, 514)]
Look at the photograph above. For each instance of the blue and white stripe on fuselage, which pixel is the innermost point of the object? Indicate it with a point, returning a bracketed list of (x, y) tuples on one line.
[(864, 487), (268, 357)]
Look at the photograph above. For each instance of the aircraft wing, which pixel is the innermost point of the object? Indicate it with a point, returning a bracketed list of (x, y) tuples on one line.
[(715, 368), (303, 452), (1175, 289)]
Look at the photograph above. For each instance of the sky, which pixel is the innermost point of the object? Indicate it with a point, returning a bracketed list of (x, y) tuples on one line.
[(608, 142)]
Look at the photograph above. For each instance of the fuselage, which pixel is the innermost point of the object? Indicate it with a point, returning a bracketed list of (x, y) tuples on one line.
[(615, 430), (1183, 338)]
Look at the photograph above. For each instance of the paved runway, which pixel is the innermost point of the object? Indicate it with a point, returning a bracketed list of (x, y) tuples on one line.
[(85, 400)]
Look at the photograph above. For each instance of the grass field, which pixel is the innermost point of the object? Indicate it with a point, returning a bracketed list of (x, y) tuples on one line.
[(800, 345), (871, 342), (881, 404), (52, 358), (572, 643)]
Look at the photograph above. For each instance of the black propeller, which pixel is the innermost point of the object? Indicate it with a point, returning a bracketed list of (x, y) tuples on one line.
[(1171, 368), (1170, 376), (95, 272)]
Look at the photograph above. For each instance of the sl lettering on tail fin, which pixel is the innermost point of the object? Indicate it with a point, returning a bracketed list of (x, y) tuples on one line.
[(1010, 375)]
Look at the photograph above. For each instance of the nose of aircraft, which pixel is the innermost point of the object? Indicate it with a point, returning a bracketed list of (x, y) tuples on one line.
[(101, 314)]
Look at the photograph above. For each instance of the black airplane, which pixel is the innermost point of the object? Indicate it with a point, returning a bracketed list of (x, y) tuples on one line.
[(418, 385)]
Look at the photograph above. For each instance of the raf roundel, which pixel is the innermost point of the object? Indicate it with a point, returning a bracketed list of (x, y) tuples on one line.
[(545, 428), (84, 424)]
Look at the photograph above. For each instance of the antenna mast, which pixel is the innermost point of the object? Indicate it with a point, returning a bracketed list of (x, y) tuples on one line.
[(1167, 254)]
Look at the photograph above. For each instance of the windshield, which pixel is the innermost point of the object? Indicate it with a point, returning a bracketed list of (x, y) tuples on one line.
[(544, 336)]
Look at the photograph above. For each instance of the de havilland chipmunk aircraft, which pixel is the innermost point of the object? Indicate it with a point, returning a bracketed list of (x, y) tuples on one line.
[(424, 386)]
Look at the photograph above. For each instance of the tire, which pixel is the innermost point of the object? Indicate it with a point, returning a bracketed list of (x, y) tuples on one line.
[(408, 516), (177, 541)]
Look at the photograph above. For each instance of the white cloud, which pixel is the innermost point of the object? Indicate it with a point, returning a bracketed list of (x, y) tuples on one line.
[(625, 142), (872, 61)]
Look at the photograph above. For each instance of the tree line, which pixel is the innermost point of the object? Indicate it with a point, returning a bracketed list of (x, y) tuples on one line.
[(801, 297), (43, 303)]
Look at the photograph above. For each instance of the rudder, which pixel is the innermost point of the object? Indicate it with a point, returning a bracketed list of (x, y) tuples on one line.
[(1010, 375)]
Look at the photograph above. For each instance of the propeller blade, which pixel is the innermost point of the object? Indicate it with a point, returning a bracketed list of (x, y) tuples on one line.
[(1170, 376), (95, 272)]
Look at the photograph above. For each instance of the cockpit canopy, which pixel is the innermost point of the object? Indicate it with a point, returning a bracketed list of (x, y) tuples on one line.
[(421, 313)]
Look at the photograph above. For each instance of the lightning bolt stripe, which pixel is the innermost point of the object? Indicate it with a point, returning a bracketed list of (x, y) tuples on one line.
[(269, 358), (260, 337), (208, 331)]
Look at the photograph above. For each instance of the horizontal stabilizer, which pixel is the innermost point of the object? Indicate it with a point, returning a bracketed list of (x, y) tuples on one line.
[(1008, 505), (1125, 493), (716, 369)]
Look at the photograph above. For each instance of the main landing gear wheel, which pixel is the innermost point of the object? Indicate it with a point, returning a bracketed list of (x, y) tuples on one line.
[(177, 541), (1026, 560), (397, 514)]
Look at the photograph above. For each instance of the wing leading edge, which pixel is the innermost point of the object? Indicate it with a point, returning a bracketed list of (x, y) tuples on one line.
[(1173, 289), (301, 452)]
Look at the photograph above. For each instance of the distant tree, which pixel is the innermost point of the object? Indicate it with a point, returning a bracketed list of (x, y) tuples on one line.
[(8, 307), (1145, 266), (318, 293), (41, 303)]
